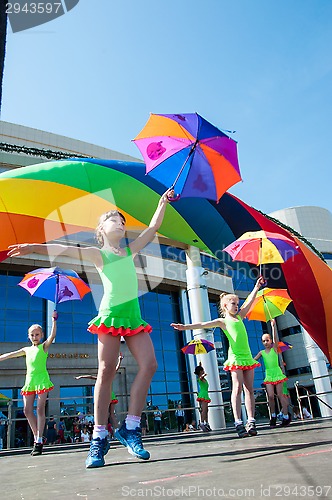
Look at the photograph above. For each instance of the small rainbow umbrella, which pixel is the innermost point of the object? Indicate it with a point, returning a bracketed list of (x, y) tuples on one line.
[(284, 346), (262, 247), (55, 284), (199, 346), (186, 151), (269, 303)]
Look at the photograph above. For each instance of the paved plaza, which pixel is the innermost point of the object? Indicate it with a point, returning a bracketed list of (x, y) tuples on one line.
[(292, 463)]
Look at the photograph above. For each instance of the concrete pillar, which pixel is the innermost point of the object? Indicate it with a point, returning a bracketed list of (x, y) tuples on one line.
[(188, 338), (320, 374), (200, 311)]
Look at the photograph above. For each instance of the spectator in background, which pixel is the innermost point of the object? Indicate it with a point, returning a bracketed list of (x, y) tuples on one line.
[(3, 427), (51, 434), (144, 423), (179, 413), (157, 415)]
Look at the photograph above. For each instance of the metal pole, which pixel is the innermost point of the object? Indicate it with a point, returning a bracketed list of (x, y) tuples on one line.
[(319, 371), (200, 311)]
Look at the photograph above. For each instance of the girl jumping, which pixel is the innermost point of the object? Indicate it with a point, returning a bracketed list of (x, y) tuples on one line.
[(119, 315)]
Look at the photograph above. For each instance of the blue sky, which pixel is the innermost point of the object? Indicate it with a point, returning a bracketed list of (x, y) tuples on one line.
[(259, 67)]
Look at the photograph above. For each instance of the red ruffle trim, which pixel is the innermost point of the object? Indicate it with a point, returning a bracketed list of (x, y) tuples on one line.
[(114, 402), (233, 368), (204, 400), (278, 382), (28, 393), (115, 332)]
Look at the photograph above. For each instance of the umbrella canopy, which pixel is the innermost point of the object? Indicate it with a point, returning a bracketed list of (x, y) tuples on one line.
[(199, 346), (269, 303), (284, 346), (189, 154), (46, 201), (55, 284), (262, 247)]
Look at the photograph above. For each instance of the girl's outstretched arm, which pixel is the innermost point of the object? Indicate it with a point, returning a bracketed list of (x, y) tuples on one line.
[(195, 326), (52, 335), (251, 297), (13, 354), (275, 336), (146, 236), (91, 254)]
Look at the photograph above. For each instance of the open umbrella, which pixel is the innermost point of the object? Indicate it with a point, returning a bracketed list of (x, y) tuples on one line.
[(269, 303), (186, 152), (48, 201), (199, 346), (262, 247), (284, 346), (40, 203), (55, 284)]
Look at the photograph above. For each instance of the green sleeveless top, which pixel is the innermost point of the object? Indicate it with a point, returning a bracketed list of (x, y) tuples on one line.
[(203, 394), (119, 310), (37, 379), (239, 354), (273, 374)]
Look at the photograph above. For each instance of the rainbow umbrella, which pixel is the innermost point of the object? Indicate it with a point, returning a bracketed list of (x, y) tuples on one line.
[(284, 346), (49, 201), (262, 247), (269, 303), (55, 284), (52, 200), (199, 346), (187, 152)]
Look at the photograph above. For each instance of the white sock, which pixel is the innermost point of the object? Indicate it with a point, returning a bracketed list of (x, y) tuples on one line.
[(39, 440), (99, 431), (251, 420), (238, 422), (132, 422), (273, 415), (286, 417)]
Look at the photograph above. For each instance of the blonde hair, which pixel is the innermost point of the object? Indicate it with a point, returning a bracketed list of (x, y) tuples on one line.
[(33, 327), (224, 299), (99, 229)]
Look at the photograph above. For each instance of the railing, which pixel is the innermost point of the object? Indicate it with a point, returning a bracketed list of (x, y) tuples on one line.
[(169, 418)]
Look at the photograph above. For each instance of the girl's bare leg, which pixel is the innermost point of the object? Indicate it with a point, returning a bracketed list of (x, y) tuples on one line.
[(282, 398), (237, 383), (142, 349), (204, 413), (28, 402), (41, 403), (108, 352), (249, 398), (113, 418), (270, 392)]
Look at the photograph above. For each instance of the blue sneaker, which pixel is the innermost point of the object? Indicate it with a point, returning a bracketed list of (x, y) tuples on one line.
[(98, 449), (132, 439)]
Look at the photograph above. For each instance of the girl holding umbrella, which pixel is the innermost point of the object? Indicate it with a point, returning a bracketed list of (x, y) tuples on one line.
[(37, 380)]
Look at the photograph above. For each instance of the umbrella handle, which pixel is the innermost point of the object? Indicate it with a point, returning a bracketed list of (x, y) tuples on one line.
[(56, 292), (174, 198)]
